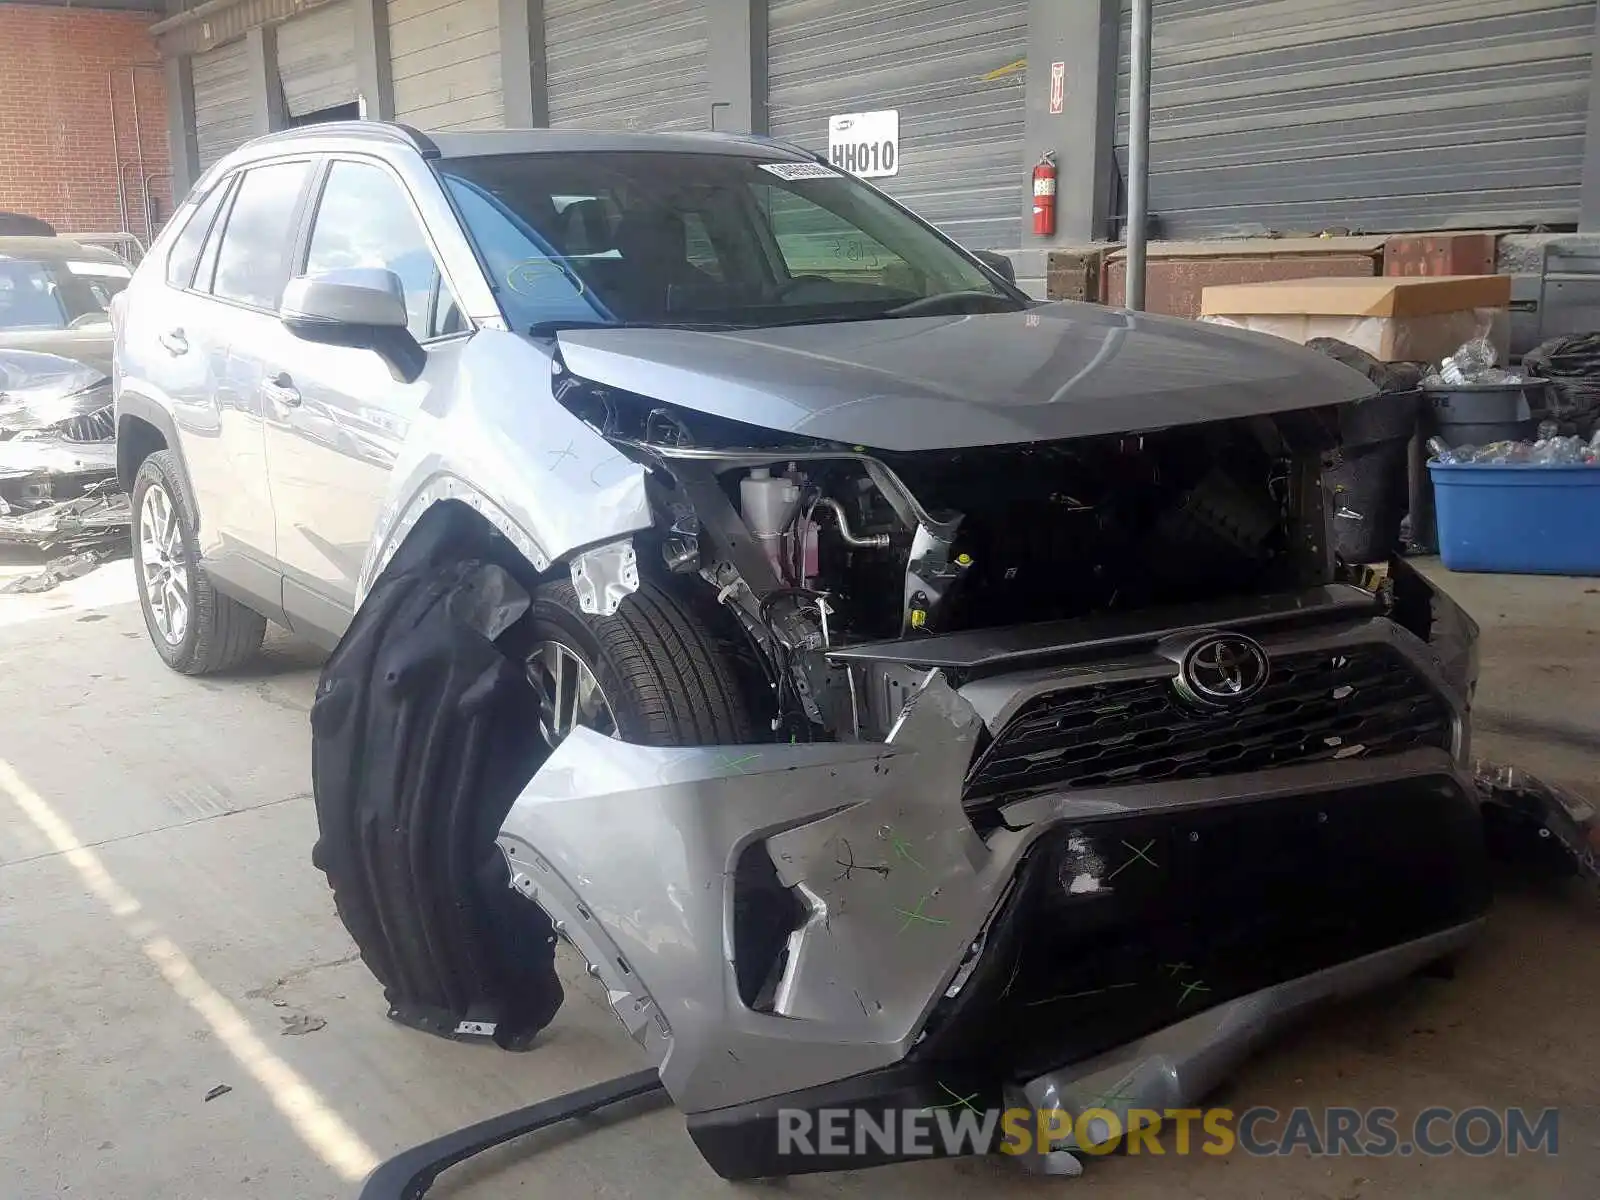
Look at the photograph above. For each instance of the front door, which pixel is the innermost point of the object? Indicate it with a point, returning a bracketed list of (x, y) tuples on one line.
[(336, 418)]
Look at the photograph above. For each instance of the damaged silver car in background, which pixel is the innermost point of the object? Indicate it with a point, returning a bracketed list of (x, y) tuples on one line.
[(894, 688), (58, 484)]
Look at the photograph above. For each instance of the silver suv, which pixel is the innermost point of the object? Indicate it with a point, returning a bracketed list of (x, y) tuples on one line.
[(895, 688)]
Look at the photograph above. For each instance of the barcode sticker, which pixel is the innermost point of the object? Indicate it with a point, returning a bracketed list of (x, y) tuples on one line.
[(798, 170)]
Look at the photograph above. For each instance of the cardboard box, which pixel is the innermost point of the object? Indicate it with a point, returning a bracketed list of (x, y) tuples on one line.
[(1415, 319)]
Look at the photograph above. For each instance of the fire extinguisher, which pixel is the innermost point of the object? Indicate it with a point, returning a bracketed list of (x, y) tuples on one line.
[(1044, 194)]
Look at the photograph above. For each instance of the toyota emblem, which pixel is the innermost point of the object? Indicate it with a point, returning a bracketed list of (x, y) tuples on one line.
[(1222, 670)]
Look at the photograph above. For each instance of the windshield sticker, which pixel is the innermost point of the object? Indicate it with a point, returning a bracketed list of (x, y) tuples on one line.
[(104, 270), (798, 170)]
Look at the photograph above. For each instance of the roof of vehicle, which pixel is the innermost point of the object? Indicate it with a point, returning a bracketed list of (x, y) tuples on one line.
[(354, 134), (22, 246)]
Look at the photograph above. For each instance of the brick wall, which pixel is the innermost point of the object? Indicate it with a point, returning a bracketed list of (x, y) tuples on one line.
[(57, 157)]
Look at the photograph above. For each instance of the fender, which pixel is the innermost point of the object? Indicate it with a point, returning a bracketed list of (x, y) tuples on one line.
[(138, 405), (497, 439)]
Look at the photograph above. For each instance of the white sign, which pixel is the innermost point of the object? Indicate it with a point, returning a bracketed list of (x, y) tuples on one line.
[(865, 144), (1058, 87)]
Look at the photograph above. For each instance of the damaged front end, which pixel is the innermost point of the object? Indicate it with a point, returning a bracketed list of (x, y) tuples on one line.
[(1143, 893), (57, 453), (1080, 768)]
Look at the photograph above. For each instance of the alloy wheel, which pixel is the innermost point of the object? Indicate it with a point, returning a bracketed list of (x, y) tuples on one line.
[(164, 565), (569, 693)]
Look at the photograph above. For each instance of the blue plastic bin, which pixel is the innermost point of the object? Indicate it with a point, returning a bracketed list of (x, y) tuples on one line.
[(1518, 518)]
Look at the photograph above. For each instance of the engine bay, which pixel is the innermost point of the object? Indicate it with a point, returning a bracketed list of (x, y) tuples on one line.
[(813, 546)]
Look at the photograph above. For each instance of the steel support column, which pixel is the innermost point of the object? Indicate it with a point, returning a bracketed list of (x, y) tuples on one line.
[(183, 149), (1082, 36), (522, 64), (736, 32), (266, 89), (374, 82)]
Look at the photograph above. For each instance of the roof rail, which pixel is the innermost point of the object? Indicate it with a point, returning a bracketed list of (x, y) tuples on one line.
[(383, 131)]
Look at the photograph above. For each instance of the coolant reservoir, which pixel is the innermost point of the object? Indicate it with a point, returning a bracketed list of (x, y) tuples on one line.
[(767, 504)]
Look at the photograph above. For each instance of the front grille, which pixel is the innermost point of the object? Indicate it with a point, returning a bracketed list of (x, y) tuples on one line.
[(98, 426), (1316, 706)]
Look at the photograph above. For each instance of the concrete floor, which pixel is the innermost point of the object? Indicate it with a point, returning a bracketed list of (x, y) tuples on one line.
[(161, 924)]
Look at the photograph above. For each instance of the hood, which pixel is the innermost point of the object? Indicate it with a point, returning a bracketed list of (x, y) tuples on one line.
[(41, 390), (91, 346), (1054, 372)]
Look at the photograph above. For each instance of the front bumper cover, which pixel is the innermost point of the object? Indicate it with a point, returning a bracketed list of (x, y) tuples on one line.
[(634, 850)]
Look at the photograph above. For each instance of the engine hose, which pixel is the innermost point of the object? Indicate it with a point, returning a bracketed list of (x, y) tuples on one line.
[(411, 1173), (862, 541)]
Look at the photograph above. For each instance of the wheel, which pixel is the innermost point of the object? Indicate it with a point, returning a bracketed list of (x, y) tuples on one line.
[(195, 628), (654, 673)]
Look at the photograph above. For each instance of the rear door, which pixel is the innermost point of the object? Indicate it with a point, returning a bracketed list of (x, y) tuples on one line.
[(242, 273), (338, 416), (173, 352)]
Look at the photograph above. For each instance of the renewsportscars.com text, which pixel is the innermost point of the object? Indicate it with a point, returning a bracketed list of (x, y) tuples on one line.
[(959, 1129)]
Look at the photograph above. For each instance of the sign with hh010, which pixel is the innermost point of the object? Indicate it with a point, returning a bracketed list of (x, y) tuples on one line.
[(865, 144)]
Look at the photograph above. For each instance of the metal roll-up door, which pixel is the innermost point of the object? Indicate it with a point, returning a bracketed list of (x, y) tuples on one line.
[(1296, 116), (954, 72), (444, 59), (627, 64), (317, 59), (223, 114)]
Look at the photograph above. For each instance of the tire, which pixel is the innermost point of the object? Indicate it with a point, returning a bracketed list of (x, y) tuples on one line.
[(217, 632), (669, 678)]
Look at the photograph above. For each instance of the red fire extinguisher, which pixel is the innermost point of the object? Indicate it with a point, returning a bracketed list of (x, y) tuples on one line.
[(1044, 194)]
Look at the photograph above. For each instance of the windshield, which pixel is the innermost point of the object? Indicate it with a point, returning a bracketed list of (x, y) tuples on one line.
[(702, 240), (58, 293)]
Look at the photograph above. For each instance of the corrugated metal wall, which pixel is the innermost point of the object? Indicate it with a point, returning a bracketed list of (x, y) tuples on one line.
[(317, 59), (445, 58), (627, 64), (1371, 115), (223, 109), (951, 68)]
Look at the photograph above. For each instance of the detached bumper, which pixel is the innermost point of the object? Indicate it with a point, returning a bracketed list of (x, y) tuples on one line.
[(1131, 914)]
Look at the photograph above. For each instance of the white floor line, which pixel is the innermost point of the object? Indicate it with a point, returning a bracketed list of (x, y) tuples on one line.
[(316, 1124)]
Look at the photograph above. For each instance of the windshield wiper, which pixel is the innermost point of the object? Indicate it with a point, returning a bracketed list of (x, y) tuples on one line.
[(954, 304), (547, 329)]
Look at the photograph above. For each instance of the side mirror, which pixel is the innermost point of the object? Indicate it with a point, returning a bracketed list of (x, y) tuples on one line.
[(360, 307), (1000, 264)]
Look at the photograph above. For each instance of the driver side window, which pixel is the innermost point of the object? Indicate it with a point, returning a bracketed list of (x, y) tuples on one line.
[(364, 219)]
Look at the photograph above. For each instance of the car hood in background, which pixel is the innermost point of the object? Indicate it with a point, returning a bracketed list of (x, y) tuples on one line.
[(924, 383), (91, 346)]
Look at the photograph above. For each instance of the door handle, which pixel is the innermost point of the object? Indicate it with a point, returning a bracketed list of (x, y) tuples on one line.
[(281, 390), (174, 343)]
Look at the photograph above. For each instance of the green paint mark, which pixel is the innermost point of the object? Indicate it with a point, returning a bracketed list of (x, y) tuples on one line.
[(957, 1103), (1138, 853), (737, 764), (915, 915), (1190, 988), (902, 849)]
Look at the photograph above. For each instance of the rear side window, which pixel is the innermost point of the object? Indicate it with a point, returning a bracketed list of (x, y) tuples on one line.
[(185, 251), (253, 260)]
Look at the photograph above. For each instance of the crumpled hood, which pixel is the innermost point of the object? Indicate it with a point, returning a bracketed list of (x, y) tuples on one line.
[(1058, 371)]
